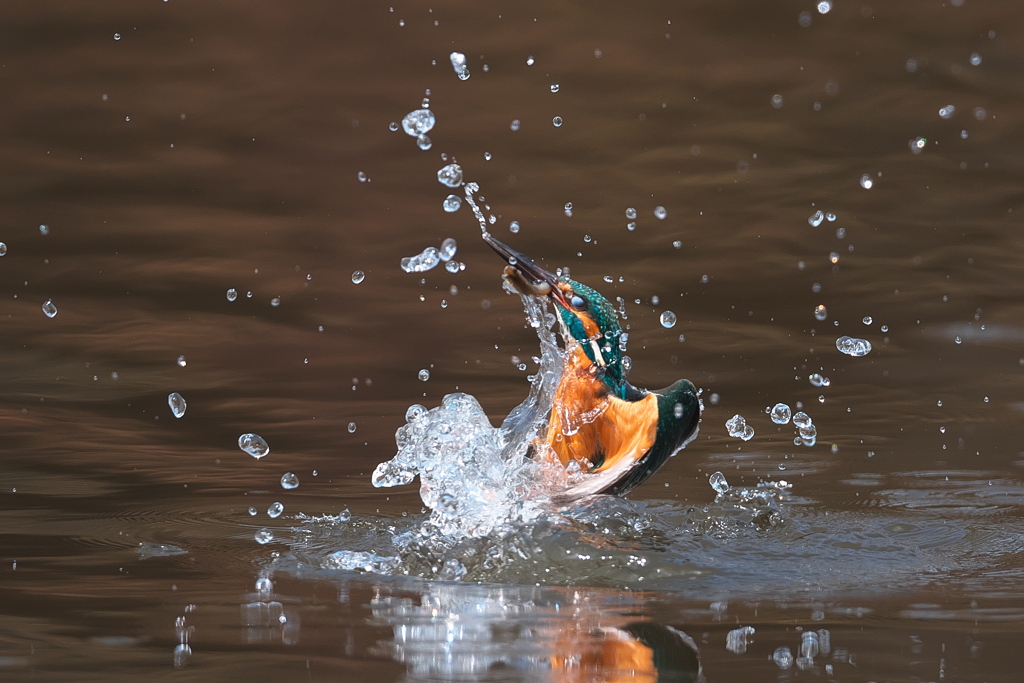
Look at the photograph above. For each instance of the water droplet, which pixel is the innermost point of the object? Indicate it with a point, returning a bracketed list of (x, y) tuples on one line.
[(264, 536), (824, 6), (817, 380), (718, 482), (415, 412), (852, 346), (738, 428), (513, 227), (253, 511), (423, 142), (668, 319), (833, 257), (423, 375), (44, 229), (554, 87), (448, 249), (918, 144), (816, 218), (453, 266), (232, 294), (677, 244), (958, 340), (182, 362), (777, 101), (866, 182), (3, 249), (557, 121), (529, 61), (289, 481), (49, 308), (884, 328), (264, 585), (947, 111), (275, 510), (515, 125), (393, 126), (458, 61), (660, 213), (631, 226), (253, 444), (358, 276), (351, 427), (450, 175), (631, 213), (423, 261), (867, 320), (980, 113), (177, 404), (418, 122), (820, 312), (780, 413), (275, 302), (117, 36)]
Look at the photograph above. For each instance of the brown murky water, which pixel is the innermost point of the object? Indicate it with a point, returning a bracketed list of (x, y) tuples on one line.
[(178, 149)]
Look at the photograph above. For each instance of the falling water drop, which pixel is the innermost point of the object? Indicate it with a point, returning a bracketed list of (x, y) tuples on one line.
[(253, 444), (177, 404)]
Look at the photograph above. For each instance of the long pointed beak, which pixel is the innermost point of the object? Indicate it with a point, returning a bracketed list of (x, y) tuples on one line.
[(526, 274)]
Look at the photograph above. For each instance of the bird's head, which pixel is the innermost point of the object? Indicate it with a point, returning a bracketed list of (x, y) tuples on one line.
[(587, 318)]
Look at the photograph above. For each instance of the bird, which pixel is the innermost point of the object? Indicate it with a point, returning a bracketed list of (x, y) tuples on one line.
[(618, 434)]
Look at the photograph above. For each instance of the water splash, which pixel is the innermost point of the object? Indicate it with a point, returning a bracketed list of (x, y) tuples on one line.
[(475, 477)]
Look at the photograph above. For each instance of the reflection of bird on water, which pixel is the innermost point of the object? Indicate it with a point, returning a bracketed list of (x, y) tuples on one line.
[(619, 435)]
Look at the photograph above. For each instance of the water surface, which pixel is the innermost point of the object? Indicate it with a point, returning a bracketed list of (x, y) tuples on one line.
[(175, 150)]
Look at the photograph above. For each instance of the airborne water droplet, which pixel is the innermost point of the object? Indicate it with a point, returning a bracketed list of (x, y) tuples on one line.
[(418, 122), (423, 375), (448, 248), (451, 203), (351, 427), (232, 294), (780, 413), (450, 175), (275, 510), (358, 276), (253, 444), (289, 481), (49, 308), (718, 482), (182, 362), (668, 319), (177, 404)]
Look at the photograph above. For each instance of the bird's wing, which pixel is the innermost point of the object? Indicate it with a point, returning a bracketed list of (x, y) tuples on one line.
[(626, 431)]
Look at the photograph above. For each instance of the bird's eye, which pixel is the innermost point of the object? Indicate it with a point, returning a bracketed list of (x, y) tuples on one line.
[(576, 301)]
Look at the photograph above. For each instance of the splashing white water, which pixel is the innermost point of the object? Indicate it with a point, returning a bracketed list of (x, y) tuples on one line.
[(473, 476)]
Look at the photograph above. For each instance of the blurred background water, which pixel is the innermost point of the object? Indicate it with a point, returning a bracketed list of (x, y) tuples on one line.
[(158, 154)]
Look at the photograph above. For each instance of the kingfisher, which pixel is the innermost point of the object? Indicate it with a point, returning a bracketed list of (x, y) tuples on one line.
[(619, 435)]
